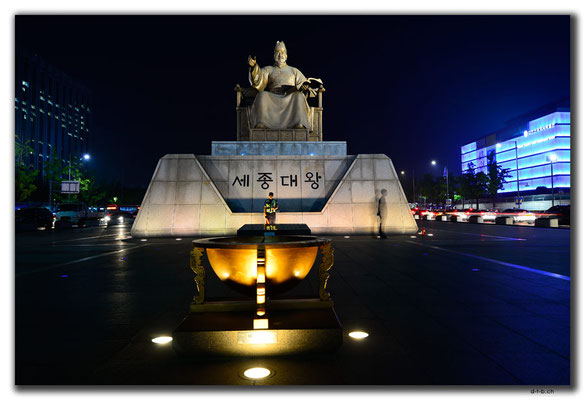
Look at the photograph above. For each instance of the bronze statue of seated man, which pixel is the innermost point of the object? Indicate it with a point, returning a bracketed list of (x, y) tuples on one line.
[(280, 102)]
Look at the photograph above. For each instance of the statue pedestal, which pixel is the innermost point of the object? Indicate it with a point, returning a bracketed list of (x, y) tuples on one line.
[(225, 328), (215, 195), (274, 230)]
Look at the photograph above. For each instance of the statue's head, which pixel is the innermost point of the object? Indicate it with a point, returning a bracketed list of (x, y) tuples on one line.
[(280, 55)]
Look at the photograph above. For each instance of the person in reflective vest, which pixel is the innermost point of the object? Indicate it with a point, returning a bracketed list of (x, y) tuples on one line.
[(270, 207)]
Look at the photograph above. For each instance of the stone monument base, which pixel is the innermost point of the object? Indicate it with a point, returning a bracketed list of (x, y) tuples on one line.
[(193, 196), (226, 329)]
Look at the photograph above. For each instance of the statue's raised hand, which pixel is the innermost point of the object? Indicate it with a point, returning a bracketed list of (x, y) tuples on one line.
[(251, 61)]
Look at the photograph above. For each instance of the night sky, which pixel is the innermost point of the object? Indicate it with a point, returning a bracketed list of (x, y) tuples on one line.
[(413, 87)]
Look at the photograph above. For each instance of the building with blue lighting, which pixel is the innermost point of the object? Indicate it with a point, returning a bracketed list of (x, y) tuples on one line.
[(53, 112), (536, 148)]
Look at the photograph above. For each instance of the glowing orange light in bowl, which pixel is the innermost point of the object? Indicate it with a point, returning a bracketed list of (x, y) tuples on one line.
[(288, 260)]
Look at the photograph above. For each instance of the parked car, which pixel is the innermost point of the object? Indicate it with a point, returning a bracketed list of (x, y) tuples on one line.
[(416, 211), (519, 215), (73, 213), (465, 213), (489, 215), (34, 217), (563, 213)]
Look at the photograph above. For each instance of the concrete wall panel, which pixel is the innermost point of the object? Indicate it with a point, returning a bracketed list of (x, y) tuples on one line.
[(188, 170), (186, 219), (188, 192), (340, 215), (168, 169), (363, 192), (212, 217), (162, 192)]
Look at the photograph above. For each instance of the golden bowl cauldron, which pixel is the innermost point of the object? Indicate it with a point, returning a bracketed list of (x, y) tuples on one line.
[(288, 260)]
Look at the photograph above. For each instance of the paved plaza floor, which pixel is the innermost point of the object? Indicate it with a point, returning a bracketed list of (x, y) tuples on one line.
[(469, 305)]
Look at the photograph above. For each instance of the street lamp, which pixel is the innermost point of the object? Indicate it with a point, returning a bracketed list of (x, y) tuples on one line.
[(446, 172), (551, 159), (85, 157), (413, 196)]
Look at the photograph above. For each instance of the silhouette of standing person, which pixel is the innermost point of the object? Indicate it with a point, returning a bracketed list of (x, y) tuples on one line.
[(382, 212)]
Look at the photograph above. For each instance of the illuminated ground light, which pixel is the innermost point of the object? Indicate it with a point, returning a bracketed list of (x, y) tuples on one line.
[(358, 335), (257, 373), (413, 237), (346, 237), (178, 239), (143, 240), (162, 340), (429, 234)]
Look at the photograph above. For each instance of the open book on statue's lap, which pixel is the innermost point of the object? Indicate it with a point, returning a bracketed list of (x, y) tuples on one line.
[(314, 83)]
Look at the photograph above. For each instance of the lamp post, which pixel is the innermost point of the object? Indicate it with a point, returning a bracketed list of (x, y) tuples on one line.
[(551, 159), (85, 157), (446, 175), (402, 173)]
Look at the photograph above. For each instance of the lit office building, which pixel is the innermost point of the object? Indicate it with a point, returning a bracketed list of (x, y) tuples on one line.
[(52, 111), (537, 151)]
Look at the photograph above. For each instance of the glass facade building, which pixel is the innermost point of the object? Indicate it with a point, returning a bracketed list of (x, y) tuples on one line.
[(53, 111), (537, 153)]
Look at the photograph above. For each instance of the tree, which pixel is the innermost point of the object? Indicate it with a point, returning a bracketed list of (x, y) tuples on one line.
[(496, 176), (466, 183), (91, 192), (473, 185), (480, 187), (430, 188), (57, 171), (25, 175)]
